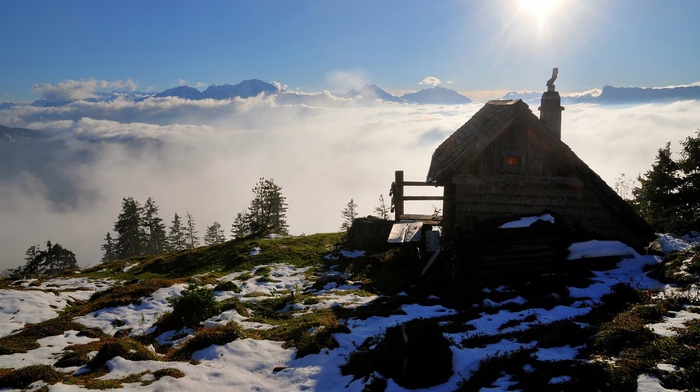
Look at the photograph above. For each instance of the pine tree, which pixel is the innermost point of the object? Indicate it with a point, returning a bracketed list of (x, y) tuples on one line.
[(239, 228), (191, 239), (382, 211), (689, 192), (349, 214), (176, 236), (657, 196), (109, 248), (154, 229), (267, 211), (50, 262), (214, 234), (128, 226), (30, 267)]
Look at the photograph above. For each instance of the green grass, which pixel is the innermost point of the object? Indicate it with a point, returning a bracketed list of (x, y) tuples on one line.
[(309, 333), (26, 339), (224, 258), (613, 331)]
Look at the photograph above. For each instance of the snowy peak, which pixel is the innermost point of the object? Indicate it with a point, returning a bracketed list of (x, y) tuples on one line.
[(436, 95), (244, 89), (640, 94), (184, 92), (618, 95), (8, 134), (372, 92)]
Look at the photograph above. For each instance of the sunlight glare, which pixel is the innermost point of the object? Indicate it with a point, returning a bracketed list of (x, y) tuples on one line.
[(539, 9)]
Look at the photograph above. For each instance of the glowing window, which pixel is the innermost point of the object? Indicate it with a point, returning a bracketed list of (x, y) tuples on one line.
[(513, 160)]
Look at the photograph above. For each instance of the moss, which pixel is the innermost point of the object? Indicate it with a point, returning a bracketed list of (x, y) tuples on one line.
[(309, 333), (126, 348), (204, 338), (26, 339)]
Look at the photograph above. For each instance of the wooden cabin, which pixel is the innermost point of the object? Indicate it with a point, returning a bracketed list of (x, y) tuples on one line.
[(505, 163)]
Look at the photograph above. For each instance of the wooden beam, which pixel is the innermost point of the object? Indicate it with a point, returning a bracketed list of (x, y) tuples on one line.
[(419, 183), (420, 198)]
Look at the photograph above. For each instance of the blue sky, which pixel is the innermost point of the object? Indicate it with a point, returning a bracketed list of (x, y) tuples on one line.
[(317, 45)]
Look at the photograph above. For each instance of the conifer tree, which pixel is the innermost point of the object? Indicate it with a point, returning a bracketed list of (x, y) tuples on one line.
[(191, 239), (176, 236), (382, 211), (109, 248), (689, 192), (657, 196), (214, 234), (130, 238), (267, 211), (349, 214), (154, 229), (239, 228), (50, 262), (669, 194)]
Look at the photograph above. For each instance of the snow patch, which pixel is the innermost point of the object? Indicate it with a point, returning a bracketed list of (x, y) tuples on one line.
[(527, 222)]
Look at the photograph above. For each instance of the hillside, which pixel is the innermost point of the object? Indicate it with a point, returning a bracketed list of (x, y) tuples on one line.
[(304, 313)]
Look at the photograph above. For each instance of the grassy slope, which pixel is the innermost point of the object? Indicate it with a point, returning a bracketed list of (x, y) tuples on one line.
[(613, 331)]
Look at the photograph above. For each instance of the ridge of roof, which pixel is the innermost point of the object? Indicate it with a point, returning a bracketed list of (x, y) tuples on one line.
[(484, 126)]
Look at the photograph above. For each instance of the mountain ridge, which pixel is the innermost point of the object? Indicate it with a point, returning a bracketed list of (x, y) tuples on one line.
[(608, 95)]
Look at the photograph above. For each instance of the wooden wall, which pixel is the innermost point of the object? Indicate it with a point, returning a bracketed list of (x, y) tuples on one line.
[(475, 199)]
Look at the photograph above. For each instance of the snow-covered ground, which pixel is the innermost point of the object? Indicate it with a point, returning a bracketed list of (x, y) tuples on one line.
[(254, 365)]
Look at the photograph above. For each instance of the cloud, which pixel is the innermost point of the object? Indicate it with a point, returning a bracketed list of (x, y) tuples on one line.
[(280, 86), (344, 80), (205, 157), (81, 89), (430, 81)]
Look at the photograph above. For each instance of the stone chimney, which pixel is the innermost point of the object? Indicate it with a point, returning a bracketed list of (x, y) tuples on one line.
[(550, 108)]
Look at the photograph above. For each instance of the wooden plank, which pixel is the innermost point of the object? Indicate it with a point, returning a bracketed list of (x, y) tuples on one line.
[(430, 262), (405, 232)]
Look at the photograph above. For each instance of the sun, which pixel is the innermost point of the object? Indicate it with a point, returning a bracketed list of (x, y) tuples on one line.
[(539, 9)]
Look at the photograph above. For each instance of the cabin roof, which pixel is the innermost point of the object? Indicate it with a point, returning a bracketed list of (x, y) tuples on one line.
[(467, 141)]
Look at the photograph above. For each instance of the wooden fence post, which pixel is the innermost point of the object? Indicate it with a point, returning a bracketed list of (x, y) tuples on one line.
[(398, 195)]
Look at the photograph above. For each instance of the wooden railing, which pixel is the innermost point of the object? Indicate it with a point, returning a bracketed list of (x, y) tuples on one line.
[(398, 197)]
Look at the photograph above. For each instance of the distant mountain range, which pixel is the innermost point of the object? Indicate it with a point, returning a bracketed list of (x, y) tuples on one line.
[(619, 95), (255, 87), (372, 93)]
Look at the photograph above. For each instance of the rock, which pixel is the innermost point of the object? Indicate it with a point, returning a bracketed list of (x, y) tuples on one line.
[(369, 233)]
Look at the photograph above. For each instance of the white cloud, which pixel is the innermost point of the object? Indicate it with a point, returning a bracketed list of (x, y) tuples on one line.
[(320, 151), (430, 81), (280, 86), (344, 80), (81, 89)]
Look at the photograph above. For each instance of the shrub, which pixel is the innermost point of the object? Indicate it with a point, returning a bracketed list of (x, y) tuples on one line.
[(625, 331), (194, 305), (227, 286), (21, 378)]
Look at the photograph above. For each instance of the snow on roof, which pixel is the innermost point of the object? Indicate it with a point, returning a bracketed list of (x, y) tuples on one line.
[(527, 221)]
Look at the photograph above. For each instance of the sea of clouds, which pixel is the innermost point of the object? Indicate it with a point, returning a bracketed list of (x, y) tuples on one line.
[(323, 151)]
